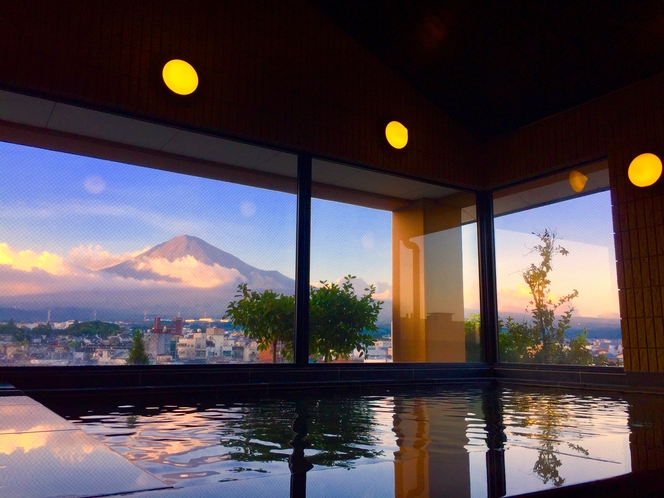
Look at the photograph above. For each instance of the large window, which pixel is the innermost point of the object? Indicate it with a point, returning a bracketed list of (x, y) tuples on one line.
[(105, 263), (108, 263), (556, 271), (393, 269)]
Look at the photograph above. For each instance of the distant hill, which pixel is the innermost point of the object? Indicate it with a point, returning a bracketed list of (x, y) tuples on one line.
[(598, 328)]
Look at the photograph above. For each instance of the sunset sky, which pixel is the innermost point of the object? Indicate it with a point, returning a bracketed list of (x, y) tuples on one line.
[(67, 215), (584, 228)]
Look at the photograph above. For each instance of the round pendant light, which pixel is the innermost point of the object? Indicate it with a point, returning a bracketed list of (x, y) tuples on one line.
[(180, 77), (645, 170), (396, 134)]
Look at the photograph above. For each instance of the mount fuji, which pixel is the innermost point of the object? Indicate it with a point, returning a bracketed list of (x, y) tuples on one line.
[(191, 260)]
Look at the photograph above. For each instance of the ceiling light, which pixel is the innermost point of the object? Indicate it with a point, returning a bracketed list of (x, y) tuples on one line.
[(396, 134), (180, 77), (645, 170)]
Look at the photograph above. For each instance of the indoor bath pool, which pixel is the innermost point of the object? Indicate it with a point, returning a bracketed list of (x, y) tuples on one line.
[(475, 442)]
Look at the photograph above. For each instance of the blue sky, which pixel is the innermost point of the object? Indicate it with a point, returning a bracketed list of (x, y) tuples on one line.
[(584, 219), (52, 201), (346, 240), (79, 206)]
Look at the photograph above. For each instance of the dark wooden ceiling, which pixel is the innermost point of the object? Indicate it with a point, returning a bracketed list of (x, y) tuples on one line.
[(496, 65)]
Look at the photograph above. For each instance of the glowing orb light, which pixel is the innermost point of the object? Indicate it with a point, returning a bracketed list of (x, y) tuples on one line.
[(645, 170), (577, 181), (396, 134), (180, 77)]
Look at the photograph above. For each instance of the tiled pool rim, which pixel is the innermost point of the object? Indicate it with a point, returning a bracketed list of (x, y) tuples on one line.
[(152, 378)]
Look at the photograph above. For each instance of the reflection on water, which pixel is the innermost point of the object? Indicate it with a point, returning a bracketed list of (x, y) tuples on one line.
[(475, 442), (560, 439)]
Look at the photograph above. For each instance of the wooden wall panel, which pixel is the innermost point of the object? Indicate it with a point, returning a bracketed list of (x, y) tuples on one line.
[(279, 73)]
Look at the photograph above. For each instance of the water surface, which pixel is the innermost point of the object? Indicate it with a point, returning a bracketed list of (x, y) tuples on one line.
[(475, 441)]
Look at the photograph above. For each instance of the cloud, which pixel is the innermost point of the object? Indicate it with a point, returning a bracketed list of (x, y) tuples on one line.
[(368, 240), (30, 260), (383, 289), (29, 272), (94, 184), (609, 314), (514, 299), (14, 282), (96, 209), (25, 442), (247, 209), (93, 257), (192, 272)]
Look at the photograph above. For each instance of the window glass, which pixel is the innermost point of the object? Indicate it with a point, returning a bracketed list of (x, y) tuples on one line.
[(393, 269), (105, 263), (556, 271)]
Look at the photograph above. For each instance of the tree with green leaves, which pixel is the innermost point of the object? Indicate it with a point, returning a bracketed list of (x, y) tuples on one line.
[(267, 317), (577, 352), (600, 359), (340, 321), (43, 329), (18, 334), (137, 354), (94, 328), (517, 341), (551, 332), (471, 327), (542, 339)]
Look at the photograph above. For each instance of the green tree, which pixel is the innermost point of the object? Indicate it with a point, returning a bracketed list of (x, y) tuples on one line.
[(542, 339), (267, 317), (517, 341), (43, 329), (94, 328), (18, 334), (137, 354), (551, 333), (471, 327), (340, 321), (578, 353), (600, 359)]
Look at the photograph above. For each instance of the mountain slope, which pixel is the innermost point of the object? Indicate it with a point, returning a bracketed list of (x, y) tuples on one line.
[(167, 262)]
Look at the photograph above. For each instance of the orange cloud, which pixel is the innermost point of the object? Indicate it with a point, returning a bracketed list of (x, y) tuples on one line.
[(514, 299), (29, 260), (24, 441)]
